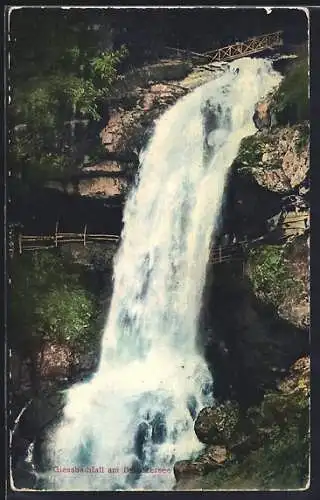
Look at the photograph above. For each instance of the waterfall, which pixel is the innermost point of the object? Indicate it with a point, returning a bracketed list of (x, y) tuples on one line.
[(127, 426)]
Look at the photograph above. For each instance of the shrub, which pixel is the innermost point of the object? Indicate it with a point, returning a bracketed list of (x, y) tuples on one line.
[(291, 101), (47, 301)]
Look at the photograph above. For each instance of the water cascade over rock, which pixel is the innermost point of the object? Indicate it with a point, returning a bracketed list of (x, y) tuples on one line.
[(127, 426)]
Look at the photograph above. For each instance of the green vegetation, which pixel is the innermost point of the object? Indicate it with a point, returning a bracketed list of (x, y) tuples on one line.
[(291, 101), (270, 274), (60, 71), (281, 460), (250, 152), (48, 301)]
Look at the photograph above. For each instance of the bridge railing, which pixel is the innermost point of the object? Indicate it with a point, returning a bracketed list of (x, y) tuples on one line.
[(233, 51), (250, 46)]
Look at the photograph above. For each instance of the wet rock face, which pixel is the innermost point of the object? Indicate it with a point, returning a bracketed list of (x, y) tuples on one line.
[(248, 346), (41, 414), (164, 71)]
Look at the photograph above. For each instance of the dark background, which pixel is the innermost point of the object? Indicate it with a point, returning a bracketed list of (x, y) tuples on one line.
[(202, 28), (147, 31)]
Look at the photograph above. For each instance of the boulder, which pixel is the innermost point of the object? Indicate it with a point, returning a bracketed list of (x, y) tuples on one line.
[(214, 454), (212, 458), (216, 425), (54, 361), (186, 469)]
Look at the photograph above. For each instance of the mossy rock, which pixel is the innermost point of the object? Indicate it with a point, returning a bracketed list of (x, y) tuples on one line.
[(250, 152), (270, 274), (217, 425), (279, 275)]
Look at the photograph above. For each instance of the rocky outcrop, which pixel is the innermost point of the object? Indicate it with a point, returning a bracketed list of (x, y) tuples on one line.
[(54, 361), (213, 457), (280, 277), (163, 71), (127, 129), (262, 115), (106, 166), (298, 378), (145, 95), (277, 160), (105, 179), (92, 187), (27, 448), (105, 187), (54, 365)]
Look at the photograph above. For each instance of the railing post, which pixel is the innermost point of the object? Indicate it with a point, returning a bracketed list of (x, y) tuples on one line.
[(20, 243), (84, 235), (56, 236)]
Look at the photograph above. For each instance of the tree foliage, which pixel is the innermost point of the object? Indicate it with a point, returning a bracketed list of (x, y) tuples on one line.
[(60, 71), (48, 302)]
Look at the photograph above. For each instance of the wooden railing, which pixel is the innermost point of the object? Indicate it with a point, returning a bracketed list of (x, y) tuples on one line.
[(292, 224), (219, 253), (243, 49)]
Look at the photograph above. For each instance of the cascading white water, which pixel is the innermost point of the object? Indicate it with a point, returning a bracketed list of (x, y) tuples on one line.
[(139, 408)]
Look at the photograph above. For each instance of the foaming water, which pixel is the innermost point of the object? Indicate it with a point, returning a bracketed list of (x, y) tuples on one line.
[(138, 410)]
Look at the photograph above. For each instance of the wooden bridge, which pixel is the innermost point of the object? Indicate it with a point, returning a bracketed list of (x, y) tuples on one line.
[(234, 51)]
